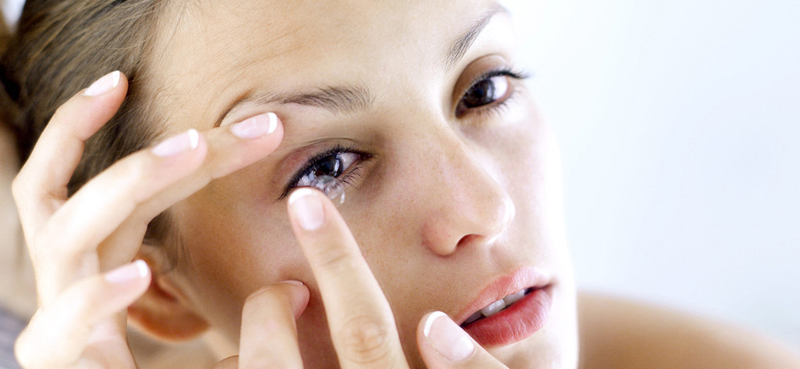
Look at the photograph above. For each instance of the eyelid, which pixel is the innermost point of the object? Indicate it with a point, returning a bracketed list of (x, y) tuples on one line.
[(482, 68), (309, 163)]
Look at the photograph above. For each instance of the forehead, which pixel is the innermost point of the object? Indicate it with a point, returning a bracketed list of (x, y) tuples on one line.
[(213, 51)]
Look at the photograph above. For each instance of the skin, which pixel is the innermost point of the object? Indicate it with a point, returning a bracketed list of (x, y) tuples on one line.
[(413, 213), (477, 196)]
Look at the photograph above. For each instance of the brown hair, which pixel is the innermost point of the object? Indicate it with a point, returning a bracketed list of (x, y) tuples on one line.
[(7, 107), (60, 47)]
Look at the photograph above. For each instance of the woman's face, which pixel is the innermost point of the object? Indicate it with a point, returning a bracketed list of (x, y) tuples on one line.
[(452, 176)]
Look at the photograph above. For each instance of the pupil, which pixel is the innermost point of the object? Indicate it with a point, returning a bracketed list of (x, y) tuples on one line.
[(481, 94), (330, 166)]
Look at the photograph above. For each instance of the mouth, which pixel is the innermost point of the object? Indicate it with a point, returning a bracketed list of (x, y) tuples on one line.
[(510, 309), (497, 306)]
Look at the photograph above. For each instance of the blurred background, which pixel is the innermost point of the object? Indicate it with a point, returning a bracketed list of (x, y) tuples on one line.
[(679, 123)]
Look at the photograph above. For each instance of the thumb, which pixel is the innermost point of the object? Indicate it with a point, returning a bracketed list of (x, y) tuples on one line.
[(443, 344)]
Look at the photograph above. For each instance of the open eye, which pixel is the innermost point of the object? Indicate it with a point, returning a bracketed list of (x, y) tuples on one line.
[(332, 165), (485, 92), (489, 90)]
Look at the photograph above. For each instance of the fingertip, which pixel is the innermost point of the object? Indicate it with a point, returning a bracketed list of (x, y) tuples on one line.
[(307, 209), (293, 292), (446, 339), (300, 297)]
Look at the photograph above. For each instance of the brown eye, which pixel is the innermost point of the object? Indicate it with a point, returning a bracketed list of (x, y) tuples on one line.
[(485, 92), (332, 165)]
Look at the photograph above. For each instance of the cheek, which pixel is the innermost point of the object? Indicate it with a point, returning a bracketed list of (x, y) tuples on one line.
[(232, 246)]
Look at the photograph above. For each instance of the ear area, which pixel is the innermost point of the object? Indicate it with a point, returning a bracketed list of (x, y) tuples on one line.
[(163, 311)]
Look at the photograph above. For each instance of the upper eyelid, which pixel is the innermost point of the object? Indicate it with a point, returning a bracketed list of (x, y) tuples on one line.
[(311, 160)]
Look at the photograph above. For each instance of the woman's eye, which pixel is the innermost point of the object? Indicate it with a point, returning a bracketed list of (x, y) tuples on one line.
[(485, 92), (332, 165)]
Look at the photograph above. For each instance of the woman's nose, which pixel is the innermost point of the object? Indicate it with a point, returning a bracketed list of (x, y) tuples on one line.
[(467, 206)]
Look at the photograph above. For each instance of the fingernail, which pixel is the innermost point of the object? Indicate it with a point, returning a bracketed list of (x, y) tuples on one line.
[(177, 144), (256, 127), (296, 283), (127, 273), (447, 338), (307, 209), (104, 84)]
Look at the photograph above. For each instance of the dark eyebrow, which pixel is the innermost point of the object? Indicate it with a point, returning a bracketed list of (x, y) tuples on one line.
[(459, 48), (353, 99), (336, 99)]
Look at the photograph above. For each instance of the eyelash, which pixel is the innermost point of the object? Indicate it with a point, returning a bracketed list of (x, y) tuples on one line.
[(354, 171), (346, 178), (495, 107)]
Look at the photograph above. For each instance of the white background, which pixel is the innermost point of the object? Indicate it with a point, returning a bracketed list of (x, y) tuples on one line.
[(679, 123)]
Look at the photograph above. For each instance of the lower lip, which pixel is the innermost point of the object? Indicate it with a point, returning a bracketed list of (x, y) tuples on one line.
[(516, 323)]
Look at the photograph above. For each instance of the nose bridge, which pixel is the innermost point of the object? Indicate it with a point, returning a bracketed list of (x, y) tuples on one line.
[(468, 204)]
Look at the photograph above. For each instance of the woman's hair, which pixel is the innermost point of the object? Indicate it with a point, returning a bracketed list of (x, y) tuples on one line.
[(7, 107), (62, 46)]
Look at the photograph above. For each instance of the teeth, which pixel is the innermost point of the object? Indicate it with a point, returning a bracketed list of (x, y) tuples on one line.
[(473, 317), (496, 306), (493, 308), (514, 297)]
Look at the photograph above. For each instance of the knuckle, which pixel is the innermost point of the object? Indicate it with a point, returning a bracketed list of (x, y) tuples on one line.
[(334, 257), (17, 185), (20, 188), (21, 351), (28, 353), (365, 340), (60, 115), (128, 176)]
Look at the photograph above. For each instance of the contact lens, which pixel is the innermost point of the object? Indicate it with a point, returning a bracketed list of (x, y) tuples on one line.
[(331, 187)]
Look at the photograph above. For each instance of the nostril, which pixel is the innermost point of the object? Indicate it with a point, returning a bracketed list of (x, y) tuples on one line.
[(466, 240)]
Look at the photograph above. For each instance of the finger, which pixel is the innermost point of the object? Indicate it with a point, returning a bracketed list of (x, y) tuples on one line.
[(268, 338), (118, 204), (41, 185), (444, 345), (361, 323), (228, 152), (65, 241), (62, 329)]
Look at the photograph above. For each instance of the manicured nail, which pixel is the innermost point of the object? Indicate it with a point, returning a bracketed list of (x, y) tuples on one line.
[(296, 283), (128, 273), (104, 84), (307, 209), (177, 144), (447, 338), (256, 127)]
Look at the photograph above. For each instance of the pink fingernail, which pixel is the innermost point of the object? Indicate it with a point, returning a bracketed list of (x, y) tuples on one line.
[(175, 145), (127, 273), (307, 209), (103, 85), (296, 283), (447, 338), (256, 127)]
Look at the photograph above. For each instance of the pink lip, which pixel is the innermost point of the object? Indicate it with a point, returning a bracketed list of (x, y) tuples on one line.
[(533, 308)]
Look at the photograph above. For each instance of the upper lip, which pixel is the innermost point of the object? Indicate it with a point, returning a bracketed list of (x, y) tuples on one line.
[(520, 279)]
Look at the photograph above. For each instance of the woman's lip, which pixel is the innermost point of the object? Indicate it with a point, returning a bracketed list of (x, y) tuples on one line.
[(516, 323), (522, 278)]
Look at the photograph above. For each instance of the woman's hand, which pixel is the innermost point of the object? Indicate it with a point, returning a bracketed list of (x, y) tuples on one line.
[(82, 246), (361, 323)]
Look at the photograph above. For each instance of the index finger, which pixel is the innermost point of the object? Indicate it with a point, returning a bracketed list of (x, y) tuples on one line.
[(41, 185), (361, 323)]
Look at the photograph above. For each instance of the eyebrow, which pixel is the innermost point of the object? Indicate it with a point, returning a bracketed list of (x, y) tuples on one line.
[(350, 99)]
